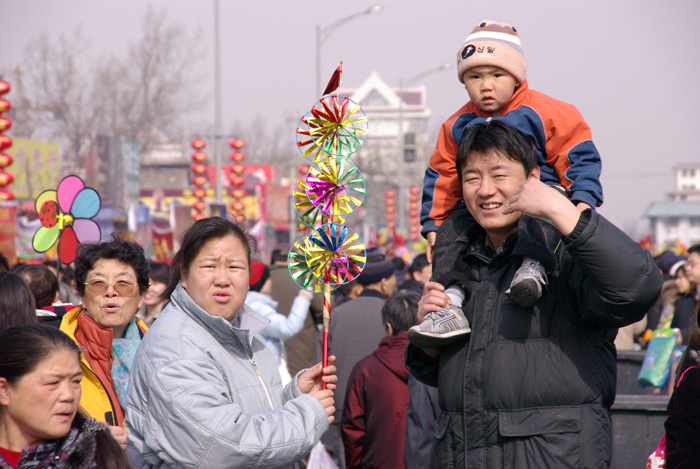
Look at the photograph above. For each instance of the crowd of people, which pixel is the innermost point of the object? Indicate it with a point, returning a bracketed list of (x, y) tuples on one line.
[(495, 348)]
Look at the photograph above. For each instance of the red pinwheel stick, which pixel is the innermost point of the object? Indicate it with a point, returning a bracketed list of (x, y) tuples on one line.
[(326, 319)]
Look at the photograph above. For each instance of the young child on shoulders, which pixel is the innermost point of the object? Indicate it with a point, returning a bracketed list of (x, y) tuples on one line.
[(492, 67)]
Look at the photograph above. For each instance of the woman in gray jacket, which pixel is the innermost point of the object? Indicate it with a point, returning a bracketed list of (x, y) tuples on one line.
[(205, 391)]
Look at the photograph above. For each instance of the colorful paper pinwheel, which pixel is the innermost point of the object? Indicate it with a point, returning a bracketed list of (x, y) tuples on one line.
[(335, 186), (335, 254), (66, 216), (337, 125)]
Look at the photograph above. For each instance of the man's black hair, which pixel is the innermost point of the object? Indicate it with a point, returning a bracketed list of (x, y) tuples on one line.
[(496, 136)]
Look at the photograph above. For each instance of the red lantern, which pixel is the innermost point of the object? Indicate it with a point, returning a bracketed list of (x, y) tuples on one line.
[(413, 190), (198, 144), (5, 105), (236, 143), (391, 225), (5, 160), (199, 157), (414, 229), (200, 206), (198, 216), (199, 193), (238, 169), (238, 206), (6, 194), (5, 123), (390, 216), (389, 193), (413, 198), (4, 87), (413, 213), (303, 169), (6, 178), (390, 201), (5, 142), (237, 156), (199, 181), (199, 169), (390, 209), (237, 193), (237, 181)]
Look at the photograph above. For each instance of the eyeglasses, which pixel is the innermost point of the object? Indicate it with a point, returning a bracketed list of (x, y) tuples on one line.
[(99, 287)]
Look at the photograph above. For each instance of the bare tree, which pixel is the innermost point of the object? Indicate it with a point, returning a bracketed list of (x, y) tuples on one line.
[(142, 96)]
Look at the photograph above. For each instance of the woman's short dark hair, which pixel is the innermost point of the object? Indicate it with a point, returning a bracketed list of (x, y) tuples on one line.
[(160, 272), (401, 311), (496, 136), (17, 305), (41, 281), (22, 348), (199, 234), (123, 251)]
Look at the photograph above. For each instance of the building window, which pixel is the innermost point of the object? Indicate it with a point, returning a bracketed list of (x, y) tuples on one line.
[(374, 99)]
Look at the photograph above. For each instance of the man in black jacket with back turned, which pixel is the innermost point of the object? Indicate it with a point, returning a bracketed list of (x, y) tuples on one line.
[(529, 387)]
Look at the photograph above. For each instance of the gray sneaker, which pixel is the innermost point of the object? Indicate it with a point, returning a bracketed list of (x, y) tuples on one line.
[(526, 287), (440, 328)]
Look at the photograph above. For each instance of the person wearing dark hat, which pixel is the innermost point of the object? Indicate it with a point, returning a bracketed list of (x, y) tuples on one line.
[(301, 348), (355, 331), (281, 327)]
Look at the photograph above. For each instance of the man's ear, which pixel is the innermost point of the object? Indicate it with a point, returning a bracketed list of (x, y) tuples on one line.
[(4, 392), (535, 173)]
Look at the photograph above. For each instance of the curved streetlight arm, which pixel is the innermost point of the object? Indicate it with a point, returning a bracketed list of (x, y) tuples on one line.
[(322, 34)]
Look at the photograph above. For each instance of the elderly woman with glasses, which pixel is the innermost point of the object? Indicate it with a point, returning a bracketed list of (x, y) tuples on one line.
[(111, 279)]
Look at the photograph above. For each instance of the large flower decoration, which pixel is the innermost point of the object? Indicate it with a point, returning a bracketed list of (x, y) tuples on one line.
[(66, 216)]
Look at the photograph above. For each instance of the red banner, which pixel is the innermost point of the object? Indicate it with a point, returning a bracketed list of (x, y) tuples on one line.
[(8, 213)]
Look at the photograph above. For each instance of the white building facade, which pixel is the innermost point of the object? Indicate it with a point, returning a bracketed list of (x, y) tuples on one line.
[(678, 219), (398, 146)]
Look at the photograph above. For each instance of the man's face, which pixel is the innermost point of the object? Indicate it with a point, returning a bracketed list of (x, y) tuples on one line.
[(489, 180), (692, 268)]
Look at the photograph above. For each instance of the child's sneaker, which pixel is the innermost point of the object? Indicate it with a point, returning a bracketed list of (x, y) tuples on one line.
[(440, 328), (526, 287)]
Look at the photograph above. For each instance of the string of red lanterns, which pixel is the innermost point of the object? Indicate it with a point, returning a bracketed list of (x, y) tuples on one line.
[(413, 214), (199, 180), (6, 178), (390, 210), (237, 191)]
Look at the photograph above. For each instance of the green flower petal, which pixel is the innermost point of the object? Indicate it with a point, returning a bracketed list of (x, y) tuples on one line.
[(44, 238)]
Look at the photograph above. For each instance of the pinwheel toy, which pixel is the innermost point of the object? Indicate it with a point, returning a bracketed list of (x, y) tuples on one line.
[(311, 215), (333, 254), (336, 186), (66, 216), (337, 125)]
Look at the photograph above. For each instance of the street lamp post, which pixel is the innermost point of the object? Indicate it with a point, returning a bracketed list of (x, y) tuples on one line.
[(322, 34), (402, 143)]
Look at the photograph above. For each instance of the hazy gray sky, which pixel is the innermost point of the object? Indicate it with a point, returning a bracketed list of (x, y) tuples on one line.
[(631, 67)]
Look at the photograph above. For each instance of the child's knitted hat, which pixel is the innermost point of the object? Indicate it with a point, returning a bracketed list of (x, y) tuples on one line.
[(493, 44)]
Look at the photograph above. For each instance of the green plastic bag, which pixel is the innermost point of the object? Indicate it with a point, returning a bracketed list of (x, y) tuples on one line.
[(657, 361)]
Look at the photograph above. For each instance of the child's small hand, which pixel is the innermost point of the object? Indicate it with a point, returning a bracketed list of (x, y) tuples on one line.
[(431, 235)]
